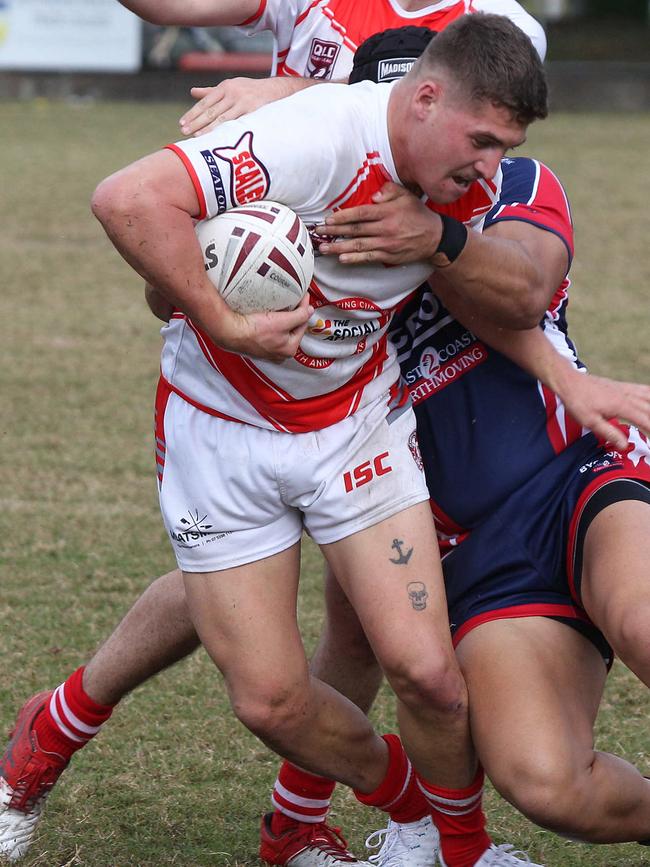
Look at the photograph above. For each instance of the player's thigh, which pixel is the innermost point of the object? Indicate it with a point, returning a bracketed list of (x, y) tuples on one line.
[(246, 619), (615, 583), (391, 573), (219, 494), (534, 689), (359, 473)]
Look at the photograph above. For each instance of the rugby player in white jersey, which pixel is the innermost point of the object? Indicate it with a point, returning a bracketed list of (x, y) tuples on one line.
[(111, 667), (329, 407), (262, 448), (126, 659)]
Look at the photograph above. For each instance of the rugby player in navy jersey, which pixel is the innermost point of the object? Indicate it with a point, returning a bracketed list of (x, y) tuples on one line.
[(543, 525)]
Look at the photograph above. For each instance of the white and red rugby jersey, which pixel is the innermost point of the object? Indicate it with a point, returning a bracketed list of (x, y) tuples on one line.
[(319, 150), (318, 38)]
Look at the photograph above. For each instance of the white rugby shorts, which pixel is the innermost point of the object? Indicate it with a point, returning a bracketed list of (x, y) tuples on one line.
[(233, 493)]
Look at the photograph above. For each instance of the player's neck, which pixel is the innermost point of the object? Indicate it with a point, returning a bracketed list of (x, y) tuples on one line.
[(415, 5)]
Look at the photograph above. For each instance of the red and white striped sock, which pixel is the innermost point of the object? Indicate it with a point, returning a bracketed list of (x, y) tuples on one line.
[(299, 796), (459, 817), (398, 794), (71, 718)]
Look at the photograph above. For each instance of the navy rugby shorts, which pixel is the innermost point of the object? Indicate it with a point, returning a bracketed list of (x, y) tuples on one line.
[(525, 559)]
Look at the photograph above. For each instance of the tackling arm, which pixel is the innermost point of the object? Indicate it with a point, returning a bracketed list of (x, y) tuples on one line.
[(234, 97), (593, 401), (500, 287), (507, 275)]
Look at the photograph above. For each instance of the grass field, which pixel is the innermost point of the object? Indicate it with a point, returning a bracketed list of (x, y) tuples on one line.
[(173, 780)]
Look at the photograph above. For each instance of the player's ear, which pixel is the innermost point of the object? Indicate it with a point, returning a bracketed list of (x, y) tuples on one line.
[(426, 98)]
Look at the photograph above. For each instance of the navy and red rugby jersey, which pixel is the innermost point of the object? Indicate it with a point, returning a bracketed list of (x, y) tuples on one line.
[(485, 426)]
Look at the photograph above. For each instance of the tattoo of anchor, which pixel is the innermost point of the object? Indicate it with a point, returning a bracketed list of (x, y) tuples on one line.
[(403, 558)]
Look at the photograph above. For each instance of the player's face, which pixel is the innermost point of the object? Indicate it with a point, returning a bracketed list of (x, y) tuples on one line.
[(458, 145)]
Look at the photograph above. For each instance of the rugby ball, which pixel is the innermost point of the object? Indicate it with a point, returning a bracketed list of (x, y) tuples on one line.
[(259, 256)]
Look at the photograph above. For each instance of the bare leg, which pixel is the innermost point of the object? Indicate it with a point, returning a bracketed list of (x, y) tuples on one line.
[(246, 618), (535, 685), (616, 581), (155, 633), (410, 636), (343, 658)]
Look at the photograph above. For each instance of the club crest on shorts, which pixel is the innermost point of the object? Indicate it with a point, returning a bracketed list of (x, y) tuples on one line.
[(249, 179), (414, 446), (322, 58)]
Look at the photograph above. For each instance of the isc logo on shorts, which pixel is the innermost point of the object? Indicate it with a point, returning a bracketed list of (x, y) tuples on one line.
[(249, 179), (366, 472)]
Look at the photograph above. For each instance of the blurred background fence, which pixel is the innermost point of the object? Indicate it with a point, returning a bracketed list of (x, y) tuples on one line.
[(598, 57)]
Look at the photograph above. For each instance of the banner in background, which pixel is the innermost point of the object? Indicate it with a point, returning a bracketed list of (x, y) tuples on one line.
[(69, 35)]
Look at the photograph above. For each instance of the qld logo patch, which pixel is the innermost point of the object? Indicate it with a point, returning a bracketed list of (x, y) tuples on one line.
[(322, 58), (249, 179)]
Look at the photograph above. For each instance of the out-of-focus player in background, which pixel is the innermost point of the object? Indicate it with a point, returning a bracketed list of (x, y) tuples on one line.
[(314, 41), (436, 130)]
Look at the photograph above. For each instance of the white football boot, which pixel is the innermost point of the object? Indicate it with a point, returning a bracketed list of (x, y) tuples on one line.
[(504, 855), (17, 827), (409, 844)]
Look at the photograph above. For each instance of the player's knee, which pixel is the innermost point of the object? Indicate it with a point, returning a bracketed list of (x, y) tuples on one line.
[(272, 710), (631, 639), (551, 793), (435, 686)]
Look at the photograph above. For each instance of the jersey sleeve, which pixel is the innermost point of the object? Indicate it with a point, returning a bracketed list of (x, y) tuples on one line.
[(258, 157), (531, 193), (274, 15), (519, 16)]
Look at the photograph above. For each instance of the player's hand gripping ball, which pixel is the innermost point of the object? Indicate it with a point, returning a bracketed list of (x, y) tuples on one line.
[(259, 256)]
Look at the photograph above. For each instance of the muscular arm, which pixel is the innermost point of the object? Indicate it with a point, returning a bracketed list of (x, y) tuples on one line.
[(499, 286), (593, 401), (147, 211), (193, 13), (506, 276)]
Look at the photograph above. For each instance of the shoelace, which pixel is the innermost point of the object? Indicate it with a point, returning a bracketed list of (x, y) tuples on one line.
[(23, 804), (506, 855), (335, 843), (29, 793), (384, 839)]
